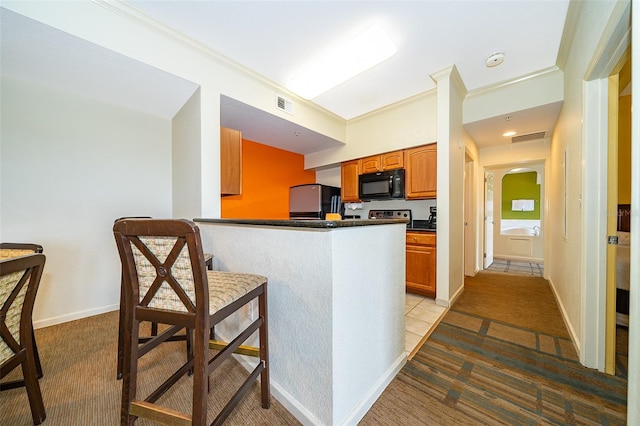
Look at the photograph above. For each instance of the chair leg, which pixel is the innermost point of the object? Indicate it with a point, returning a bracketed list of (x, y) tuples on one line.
[(121, 327), (130, 370), (264, 349), (32, 385), (36, 355), (200, 375)]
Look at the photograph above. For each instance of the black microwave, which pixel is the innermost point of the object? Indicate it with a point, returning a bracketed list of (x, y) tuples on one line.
[(385, 185)]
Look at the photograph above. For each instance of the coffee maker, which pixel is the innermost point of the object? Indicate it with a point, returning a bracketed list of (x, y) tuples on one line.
[(432, 217)]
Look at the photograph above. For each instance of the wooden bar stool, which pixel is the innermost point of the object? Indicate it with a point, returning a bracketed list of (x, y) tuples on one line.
[(208, 260), (19, 281), (8, 251), (166, 282)]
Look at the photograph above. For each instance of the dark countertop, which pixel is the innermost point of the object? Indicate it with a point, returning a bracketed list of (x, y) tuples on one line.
[(327, 224), (431, 231)]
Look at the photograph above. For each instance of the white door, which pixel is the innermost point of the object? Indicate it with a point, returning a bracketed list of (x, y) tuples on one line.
[(470, 250), (488, 219)]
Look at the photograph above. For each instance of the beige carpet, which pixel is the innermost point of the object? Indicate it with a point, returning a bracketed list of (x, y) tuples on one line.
[(79, 361), (524, 301), (79, 386)]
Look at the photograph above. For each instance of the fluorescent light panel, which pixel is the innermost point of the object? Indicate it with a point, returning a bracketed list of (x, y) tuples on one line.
[(354, 57)]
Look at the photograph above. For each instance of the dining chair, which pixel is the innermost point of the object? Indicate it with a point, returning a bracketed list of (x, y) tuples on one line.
[(167, 282), (154, 326), (7, 251), (19, 281)]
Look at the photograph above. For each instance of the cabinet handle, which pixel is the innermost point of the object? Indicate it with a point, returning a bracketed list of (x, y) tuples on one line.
[(415, 238)]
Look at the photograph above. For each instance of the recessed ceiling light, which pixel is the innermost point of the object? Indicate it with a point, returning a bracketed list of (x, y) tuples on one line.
[(352, 58), (495, 59), (507, 134)]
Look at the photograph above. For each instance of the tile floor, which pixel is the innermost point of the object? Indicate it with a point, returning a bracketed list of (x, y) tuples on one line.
[(421, 315)]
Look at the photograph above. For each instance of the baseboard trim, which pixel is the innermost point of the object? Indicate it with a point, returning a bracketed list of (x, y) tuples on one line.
[(366, 404), (47, 322), (572, 333), (305, 417)]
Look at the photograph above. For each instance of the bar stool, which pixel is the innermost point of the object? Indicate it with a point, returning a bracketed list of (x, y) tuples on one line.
[(167, 282)]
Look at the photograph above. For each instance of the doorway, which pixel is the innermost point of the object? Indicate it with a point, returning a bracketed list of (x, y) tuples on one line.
[(618, 223), (514, 211)]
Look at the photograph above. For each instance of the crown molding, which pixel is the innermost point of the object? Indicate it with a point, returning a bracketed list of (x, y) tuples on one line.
[(502, 84), (131, 13), (394, 105)]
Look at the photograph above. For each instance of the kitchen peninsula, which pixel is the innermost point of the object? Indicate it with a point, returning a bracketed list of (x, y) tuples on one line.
[(336, 307)]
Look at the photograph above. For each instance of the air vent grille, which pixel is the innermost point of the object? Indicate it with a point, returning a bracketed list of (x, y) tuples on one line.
[(529, 137), (284, 104)]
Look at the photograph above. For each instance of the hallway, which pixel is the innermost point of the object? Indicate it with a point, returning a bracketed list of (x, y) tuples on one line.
[(501, 354)]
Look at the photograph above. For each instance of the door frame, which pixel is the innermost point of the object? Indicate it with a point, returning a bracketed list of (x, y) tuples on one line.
[(595, 89), (487, 247)]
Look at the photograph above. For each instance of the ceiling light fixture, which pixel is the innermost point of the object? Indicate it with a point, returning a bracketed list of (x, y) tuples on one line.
[(352, 58), (507, 134)]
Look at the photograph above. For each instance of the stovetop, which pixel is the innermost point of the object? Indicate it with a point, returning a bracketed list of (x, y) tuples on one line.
[(416, 224), (390, 214)]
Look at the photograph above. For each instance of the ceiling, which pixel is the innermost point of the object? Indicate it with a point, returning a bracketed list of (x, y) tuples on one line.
[(278, 38)]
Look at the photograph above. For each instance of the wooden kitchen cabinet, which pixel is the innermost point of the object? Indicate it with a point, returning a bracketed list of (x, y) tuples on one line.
[(349, 181), (421, 263), (381, 162), (230, 161), (421, 172)]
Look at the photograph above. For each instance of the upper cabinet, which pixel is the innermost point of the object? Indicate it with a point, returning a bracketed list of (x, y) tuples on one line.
[(349, 181), (381, 162), (421, 172), (230, 161), (420, 166)]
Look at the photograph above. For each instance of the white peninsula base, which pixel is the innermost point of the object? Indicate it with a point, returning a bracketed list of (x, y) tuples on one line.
[(336, 310)]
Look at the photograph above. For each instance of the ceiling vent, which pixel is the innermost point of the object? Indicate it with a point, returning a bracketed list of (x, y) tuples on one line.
[(284, 104), (529, 137)]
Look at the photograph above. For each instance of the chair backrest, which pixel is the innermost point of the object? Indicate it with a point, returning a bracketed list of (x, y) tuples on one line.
[(19, 281), (163, 264), (9, 250)]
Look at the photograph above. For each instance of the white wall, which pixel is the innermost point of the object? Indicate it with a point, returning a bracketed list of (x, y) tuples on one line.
[(186, 160), (69, 167), (139, 37), (564, 260), (522, 94), (405, 124), (452, 140)]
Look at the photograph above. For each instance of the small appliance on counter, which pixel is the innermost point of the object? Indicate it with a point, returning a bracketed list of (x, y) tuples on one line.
[(429, 224), (313, 201)]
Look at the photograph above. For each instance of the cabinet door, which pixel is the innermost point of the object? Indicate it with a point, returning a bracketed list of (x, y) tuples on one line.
[(421, 270), (421, 172), (392, 160), (349, 181), (370, 164), (230, 161)]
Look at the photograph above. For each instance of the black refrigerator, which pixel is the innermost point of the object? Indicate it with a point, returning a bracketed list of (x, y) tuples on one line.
[(313, 201)]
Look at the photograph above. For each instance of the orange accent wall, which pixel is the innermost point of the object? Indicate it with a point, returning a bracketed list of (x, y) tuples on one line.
[(267, 174)]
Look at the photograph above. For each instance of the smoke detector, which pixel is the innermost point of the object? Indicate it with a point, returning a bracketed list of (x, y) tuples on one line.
[(495, 59)]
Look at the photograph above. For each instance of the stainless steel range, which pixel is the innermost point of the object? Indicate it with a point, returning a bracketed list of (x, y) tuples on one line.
[(391, 214), (416, 224)]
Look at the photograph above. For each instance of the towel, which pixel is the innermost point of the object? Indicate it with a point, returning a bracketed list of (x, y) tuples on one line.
[(522, 205)]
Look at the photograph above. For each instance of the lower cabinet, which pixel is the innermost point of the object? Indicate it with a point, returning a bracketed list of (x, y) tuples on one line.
[(421, 263)]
